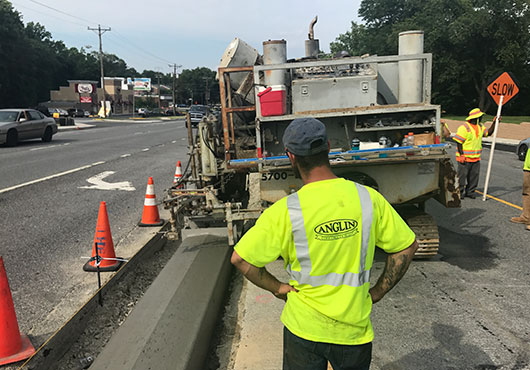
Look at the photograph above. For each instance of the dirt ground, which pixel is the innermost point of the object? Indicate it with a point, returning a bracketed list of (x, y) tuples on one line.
[(506, 130)]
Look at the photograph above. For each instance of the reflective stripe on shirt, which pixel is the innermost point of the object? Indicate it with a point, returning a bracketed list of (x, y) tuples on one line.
[(302, 246)]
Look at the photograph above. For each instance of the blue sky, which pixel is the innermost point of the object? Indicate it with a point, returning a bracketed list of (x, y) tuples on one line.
[(151, 34)]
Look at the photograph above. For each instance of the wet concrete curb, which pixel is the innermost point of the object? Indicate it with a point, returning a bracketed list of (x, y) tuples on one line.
[(171, 327), (75, 127), (58, 344)]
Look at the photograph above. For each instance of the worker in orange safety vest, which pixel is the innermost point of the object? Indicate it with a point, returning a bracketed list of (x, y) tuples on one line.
[(468, 140)]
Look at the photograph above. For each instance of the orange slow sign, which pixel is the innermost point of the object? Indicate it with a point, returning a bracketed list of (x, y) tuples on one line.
[(503, 85)]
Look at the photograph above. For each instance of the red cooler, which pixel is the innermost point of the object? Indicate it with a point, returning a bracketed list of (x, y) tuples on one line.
[(273, 101)]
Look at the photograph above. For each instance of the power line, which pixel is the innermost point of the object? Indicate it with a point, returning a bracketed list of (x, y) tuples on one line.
[(119, 35), (60, 11), (124, 45), (141, 49), (47, 14)]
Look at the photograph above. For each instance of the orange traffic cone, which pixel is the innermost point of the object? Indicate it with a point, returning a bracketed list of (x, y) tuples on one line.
[(103, 243), (13, 345), (150, 216), (178, 175)]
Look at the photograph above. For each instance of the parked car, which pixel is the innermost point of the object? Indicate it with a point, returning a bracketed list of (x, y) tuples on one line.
[(197, 112), (522, 147), (143, 112), (182, 108), (76, 112), (24, 124), (61, 112), (161, 112)]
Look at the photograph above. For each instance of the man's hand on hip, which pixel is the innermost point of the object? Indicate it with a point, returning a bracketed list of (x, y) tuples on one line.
[(261, 277), (283, 289)]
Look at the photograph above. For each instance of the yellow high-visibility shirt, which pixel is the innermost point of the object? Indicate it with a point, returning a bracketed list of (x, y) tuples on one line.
[(527, 161), (326, 234), (470, 136)]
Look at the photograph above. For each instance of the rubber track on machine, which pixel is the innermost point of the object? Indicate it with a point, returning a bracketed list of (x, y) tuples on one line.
[(426, 230)]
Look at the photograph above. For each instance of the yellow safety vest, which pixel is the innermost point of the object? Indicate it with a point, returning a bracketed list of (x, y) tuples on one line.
[(471, 141), (527, 161), (326, 234)]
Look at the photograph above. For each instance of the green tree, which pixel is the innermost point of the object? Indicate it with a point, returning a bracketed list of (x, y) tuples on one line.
[(12, 50), (198, 84), (471, 41), (32, 63)]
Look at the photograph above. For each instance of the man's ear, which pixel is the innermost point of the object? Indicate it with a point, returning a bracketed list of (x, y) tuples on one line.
[(329, 147)]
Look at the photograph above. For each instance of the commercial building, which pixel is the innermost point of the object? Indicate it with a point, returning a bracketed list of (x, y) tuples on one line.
[(84, 94)]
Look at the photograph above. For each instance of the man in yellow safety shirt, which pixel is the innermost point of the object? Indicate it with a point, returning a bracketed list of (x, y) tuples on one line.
[(524, 218), (469, 148), (326, 234)]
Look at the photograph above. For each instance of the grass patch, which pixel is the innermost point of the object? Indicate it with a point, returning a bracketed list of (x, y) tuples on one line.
[(488, 118)]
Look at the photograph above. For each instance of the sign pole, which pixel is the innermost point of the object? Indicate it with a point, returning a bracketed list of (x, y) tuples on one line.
[(488, 173)]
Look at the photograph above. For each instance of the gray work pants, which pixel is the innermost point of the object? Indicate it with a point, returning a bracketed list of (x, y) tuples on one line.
[(468, 173)]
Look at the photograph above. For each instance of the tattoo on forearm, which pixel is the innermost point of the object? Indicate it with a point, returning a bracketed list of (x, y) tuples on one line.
[(394, 271)]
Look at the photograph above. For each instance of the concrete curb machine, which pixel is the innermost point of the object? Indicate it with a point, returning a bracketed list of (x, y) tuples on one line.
[(383, 131)]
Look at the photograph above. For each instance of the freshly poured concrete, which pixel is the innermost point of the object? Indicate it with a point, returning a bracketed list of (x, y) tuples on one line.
[(171, 327)]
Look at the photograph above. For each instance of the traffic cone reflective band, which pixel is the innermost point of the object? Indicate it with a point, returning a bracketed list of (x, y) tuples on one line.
[(13, 345), (150, 216), (103, 243), (178, 174)]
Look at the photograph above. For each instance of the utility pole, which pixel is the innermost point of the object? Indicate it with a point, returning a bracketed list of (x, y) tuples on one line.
[(158, 76), (101, 31), (175, 66), (206, 90)]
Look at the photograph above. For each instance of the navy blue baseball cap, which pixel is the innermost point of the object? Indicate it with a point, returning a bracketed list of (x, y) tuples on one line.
[(305, 136)]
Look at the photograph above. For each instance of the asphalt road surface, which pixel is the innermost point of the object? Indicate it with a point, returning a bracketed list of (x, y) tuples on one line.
[(48, 209), (468, 308)]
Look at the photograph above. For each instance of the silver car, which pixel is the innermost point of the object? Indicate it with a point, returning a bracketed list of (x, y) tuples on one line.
[(23, 124), (522, 147)]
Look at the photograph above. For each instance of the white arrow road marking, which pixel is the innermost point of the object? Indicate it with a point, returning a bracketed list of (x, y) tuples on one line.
[(100, 184)]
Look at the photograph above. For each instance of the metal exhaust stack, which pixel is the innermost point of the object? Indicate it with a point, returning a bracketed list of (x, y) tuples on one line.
[(275, 52), (411, 71), (312, 46)]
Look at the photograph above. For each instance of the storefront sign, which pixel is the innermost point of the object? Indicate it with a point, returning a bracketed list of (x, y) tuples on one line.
[(84, 88)]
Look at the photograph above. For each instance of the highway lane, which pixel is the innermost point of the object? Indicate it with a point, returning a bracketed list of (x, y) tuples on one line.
[(46, 227), (34, 159)]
